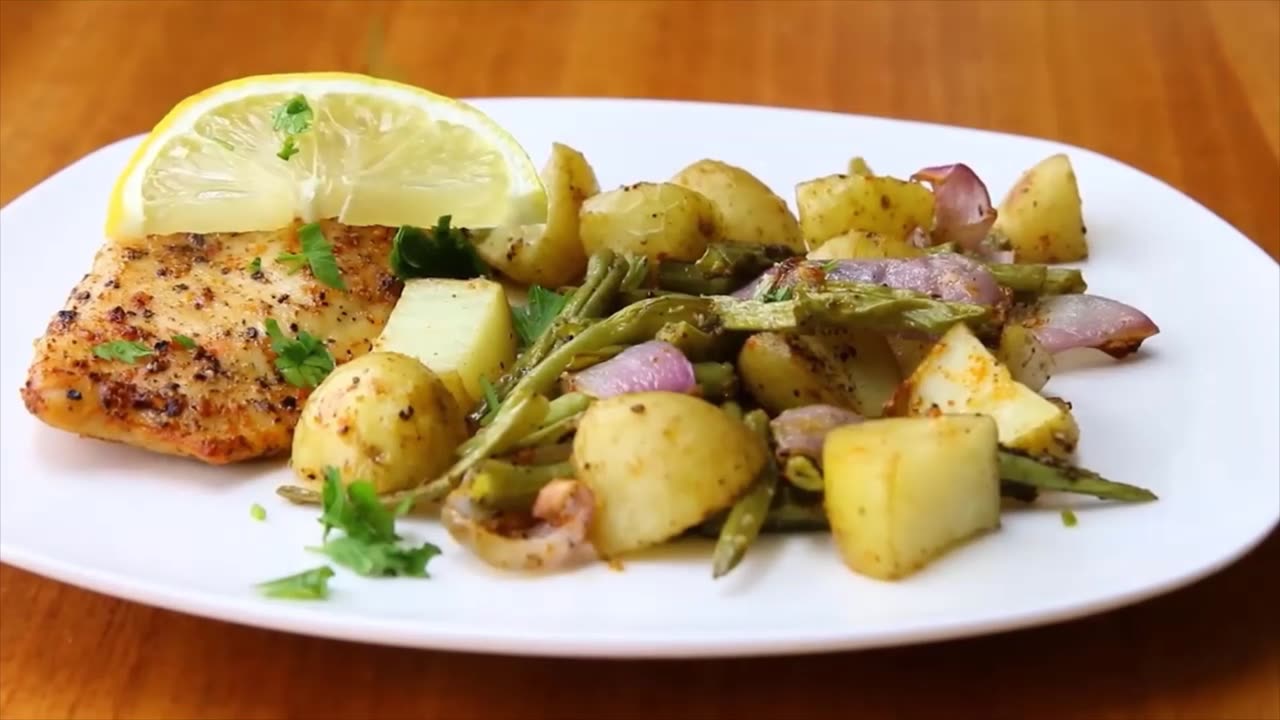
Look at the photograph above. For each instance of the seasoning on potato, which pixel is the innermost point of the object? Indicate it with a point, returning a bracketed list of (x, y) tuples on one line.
[(383, 418)]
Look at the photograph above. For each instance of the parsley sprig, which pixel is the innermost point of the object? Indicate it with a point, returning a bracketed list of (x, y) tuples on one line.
[(303, 362), (316, 253), (537, 315), (292, 118), (442, 252), (126, 351), (369, 545), (310, 584)]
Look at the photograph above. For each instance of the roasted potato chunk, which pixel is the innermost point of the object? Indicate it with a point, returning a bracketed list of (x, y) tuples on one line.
[(384, 418), (853, 369), (550, 254), (836, 204), (901, 492), (959, 375), (658, 464), (749, 211), (661, 221), (460, 329), (862, 245), (1042, 216)]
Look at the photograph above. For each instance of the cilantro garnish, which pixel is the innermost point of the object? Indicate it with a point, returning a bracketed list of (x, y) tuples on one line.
[(537, 315), (310, 584), (184, 341), (370, 545), (442, 252), (316, 253), (292, 118), (255, 266), (123, 350), (303, 362)]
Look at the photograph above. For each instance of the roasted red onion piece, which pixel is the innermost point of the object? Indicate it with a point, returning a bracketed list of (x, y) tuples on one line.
[(800, 431), (650, 366), (1063, 322), (553, 537), (962, 210), (946, 276)]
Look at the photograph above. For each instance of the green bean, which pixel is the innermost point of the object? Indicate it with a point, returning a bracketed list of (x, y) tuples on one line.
[(598, 267), (595, 357), (637, 273), (540, 454), (1039, 279), (732, 409), (781, 518), (696, 344), (745, 519), (502, 486), (718, 381), (601, 301), (803, 473), (1045, 474), (552, 434)]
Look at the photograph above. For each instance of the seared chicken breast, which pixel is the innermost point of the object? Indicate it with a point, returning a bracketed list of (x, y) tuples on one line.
[(222, 400)]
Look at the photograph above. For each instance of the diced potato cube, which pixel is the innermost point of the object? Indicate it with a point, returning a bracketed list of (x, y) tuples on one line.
[(1042, 215), (902, 491), (460, 329), (832, 205), (959, 375)]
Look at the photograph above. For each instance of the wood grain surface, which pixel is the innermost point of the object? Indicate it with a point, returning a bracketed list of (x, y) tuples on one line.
[(1186, 91)]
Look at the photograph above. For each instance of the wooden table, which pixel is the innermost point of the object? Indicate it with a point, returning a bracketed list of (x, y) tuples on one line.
[(1189, 92)]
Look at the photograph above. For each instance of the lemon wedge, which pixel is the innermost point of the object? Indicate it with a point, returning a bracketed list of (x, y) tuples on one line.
[(248, 155)]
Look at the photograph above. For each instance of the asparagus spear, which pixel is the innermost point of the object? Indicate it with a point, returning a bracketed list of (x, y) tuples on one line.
[(745, 519), (718, 381), (1044, 474), (502, 486), (1039, 279)]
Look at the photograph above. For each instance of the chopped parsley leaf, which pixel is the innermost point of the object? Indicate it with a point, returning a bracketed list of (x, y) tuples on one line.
[(126, 351), (537, 315), (292, 118), (370, 545), (442, 252), (316, 253), (255, 266), (303, 362), (185, 342), (310, 584), (288, 148)]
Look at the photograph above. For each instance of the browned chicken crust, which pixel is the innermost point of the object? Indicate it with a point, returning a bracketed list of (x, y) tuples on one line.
[(223, 400)]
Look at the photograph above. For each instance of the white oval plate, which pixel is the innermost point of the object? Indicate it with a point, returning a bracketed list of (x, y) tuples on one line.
[(1194, 417)]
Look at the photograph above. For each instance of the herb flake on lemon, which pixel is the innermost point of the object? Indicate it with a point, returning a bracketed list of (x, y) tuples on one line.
[(257, 153)]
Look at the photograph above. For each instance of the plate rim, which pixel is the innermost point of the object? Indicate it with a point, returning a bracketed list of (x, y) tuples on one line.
[(272, 615)]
